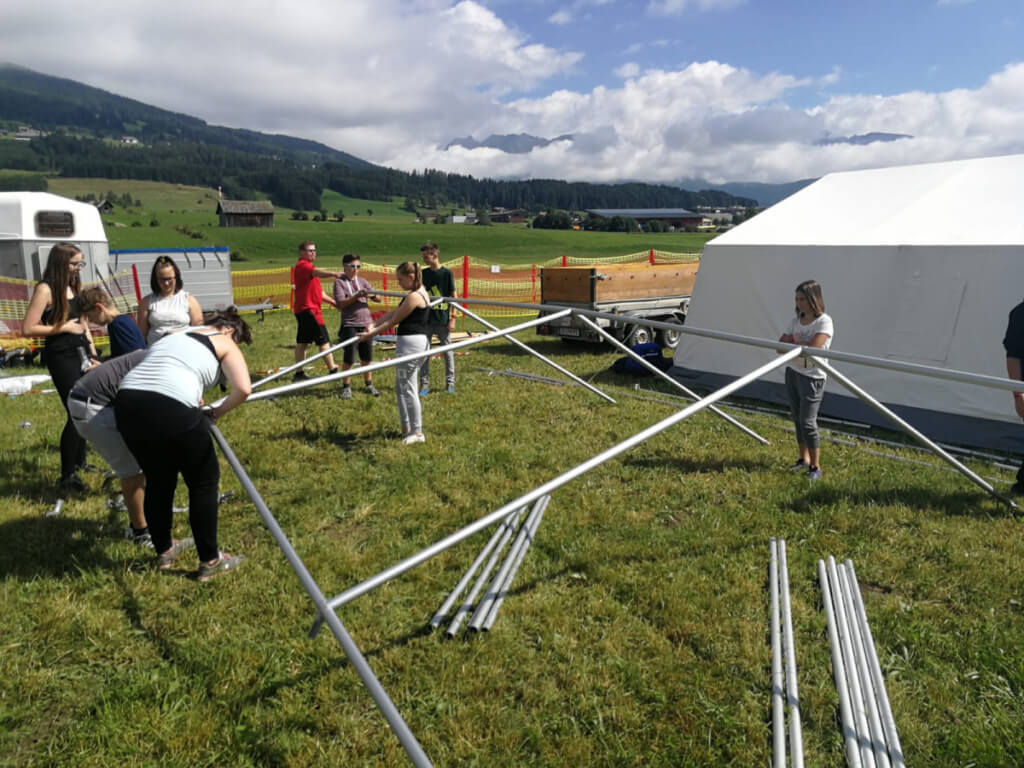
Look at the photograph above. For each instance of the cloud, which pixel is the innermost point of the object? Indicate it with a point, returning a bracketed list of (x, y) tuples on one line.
[(560, 17), (676, 7), (627, 70)]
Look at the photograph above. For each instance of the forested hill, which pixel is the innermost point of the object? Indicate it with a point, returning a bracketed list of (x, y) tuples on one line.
[(84, 127)]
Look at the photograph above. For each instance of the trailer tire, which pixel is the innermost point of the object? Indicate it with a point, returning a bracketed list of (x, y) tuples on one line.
[(668, 339), (639, 334)]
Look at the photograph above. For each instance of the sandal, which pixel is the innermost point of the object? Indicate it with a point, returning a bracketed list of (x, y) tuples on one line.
[(222, 564), (166, 560)]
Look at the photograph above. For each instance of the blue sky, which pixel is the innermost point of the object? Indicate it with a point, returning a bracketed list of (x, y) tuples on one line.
[(650, 90)]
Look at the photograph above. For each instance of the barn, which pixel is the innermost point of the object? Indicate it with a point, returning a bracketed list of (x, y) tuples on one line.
[(246, 213)]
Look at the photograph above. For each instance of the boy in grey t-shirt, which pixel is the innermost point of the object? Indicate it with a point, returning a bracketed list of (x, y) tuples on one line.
[(351, 295)]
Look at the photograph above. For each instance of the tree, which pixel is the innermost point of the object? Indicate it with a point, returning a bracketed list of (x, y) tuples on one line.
[(409, 204), (369, 211), (339, 215)]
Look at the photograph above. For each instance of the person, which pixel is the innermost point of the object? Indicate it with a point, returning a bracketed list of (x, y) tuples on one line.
[(309, 298), (96, 305), (68, 347), (805, 382), (91, 406), (438, 281), (169, 307), (157, 409), (1013, 343), (410, 317), (350, 296)]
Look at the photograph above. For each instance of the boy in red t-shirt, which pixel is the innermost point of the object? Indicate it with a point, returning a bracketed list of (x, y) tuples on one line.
[(309, 297)]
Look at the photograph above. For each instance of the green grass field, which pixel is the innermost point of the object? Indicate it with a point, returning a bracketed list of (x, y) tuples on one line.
[(389, 236), (636, 633)]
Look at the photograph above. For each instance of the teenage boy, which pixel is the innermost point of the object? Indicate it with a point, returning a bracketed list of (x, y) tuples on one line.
[(96, 305), (350, 296), (438, 281), (309, 298)]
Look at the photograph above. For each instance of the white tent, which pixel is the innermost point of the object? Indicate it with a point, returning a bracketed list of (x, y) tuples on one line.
[(917, 263)]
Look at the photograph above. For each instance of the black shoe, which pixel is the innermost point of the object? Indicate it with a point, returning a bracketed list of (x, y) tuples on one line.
[(71, 484), (300, 375), (333, 370)]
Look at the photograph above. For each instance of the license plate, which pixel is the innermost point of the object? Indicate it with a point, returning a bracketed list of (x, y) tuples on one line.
[(568, 331)]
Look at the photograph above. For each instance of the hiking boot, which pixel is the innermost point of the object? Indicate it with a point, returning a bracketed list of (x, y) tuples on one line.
[(300, 375), (141, 538), (800, 464), (346, 393), (166, 560), (222, 564), (372, 390)]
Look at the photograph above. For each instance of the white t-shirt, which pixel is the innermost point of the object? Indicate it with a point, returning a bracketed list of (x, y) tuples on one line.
[(804, 335)]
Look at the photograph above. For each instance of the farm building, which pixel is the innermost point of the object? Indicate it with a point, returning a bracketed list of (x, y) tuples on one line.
[(675, 217), (246, 213), (905, 277)]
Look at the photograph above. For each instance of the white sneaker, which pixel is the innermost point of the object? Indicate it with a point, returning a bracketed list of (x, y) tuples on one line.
[(414, 438)]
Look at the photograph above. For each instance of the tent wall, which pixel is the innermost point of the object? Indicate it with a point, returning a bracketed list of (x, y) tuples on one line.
[(944, 306)]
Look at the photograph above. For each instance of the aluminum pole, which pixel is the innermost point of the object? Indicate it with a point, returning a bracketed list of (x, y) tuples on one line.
[(552, 485), (298, 385), (906, 427), (796, 742), (483, 608), (536, 354), (677, 384), (839, 671), (446, 606), (348, 645), (867, 754), (778, 710), (503, 592), (888, 721)]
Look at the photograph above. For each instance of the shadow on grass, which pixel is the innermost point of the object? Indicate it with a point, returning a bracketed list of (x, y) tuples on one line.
[(20, 476), (341, 439), (686, 465), (964, 503), (39, 546)]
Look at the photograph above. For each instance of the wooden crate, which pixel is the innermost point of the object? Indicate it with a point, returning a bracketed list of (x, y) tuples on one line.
[(616, 282)]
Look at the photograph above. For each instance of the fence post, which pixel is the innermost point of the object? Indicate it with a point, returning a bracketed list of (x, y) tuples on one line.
[(652, 255), (533, 281), (465, 277), (138, 291), (565, 260), (291, 294)]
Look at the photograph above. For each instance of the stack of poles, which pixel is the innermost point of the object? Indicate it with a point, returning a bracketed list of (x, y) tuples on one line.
[(869, 729), (784, 686), (487, 609)]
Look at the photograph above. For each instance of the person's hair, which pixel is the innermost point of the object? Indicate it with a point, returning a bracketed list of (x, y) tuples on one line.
[(165, 261), (305, 244), (411, 268), (90, 298), (348, 258), (429, 247), (811, 290), (229, 318), (58, 276)]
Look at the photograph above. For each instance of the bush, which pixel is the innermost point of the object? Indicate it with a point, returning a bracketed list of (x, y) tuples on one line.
[(136, 223), (237, 256), (154, 223)]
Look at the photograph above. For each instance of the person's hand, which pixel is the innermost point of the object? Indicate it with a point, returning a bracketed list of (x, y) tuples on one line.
[(368, 334), (1018, 403), (787, 338), (75, 326)]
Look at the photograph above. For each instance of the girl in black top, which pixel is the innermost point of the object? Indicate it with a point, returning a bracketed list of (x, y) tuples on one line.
[(68, 349)]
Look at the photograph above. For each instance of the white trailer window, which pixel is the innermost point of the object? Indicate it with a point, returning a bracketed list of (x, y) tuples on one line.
[(55, 224)]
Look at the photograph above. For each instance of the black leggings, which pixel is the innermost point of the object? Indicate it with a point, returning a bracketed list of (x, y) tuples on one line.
[(65, 367), (152, 425)]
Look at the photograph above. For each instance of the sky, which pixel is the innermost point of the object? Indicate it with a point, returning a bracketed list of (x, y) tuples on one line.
[(659, 91)]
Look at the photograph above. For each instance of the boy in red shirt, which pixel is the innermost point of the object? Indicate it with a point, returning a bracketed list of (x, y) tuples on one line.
[(309, 297)]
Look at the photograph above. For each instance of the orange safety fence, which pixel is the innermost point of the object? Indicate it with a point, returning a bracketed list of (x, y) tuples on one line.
[(16, 294)]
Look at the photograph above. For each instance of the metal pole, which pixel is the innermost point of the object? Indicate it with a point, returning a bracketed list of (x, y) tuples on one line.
[(483, 608), (906, 427), (888, 721), (536, 354), (839, 671), (348, 645), (552, 485), (864, 674), (446, 606), (503, 592), (677, 384), (867, 754), (796, 742), (778, 711), (298, 385)]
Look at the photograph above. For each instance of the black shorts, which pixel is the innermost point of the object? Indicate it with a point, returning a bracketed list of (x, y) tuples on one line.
[(365, 347), (310, 331)]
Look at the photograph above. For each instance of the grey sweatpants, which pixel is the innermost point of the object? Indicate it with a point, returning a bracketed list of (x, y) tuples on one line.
[(805, 393), (407, 390), (444, 336)]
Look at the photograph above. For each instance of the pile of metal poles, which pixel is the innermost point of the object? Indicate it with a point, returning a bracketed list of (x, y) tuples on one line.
[(865, 716), (487, 607), (782, 625)]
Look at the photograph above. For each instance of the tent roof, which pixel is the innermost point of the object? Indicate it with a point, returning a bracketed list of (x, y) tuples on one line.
[(965, 202)]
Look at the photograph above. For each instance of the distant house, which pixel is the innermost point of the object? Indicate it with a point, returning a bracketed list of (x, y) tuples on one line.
[(104, 206), (27, 133), (246, 213), (425, 216)]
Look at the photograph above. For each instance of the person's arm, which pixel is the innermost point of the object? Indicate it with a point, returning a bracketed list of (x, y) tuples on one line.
[(195, 312), (142, 317), (329, 299), (451, 311), (819, 340), (1013, 371), (32, 324), (394, 317), (317, 272), (232, 363)]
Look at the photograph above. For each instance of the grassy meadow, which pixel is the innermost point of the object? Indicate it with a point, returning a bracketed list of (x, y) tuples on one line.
[(388, 236), (636, 633)]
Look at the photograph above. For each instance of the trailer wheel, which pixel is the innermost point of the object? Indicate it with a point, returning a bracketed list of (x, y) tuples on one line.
[(668, 339), (640, 334)]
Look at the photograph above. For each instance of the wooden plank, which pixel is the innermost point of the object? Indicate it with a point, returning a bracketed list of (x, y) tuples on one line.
[(566, 285), (619, 282)]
